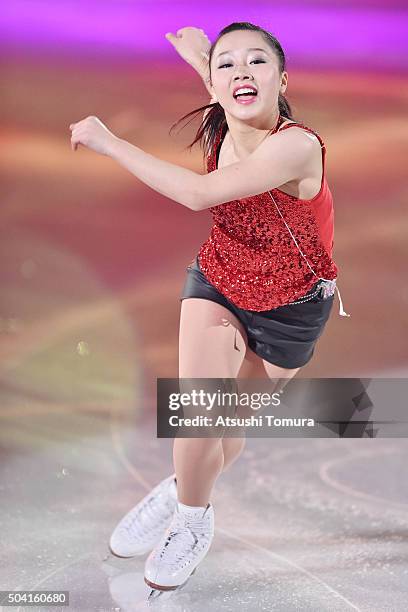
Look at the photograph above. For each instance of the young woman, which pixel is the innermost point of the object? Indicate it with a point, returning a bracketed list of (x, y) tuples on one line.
[(261, 288)]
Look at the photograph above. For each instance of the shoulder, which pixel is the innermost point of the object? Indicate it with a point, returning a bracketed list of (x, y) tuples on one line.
[(303, 131), (293, 144)]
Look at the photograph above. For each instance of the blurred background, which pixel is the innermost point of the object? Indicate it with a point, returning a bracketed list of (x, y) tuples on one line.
[(93, 261)]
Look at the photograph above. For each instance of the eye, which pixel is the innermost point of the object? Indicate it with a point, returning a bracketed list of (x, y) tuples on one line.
[(255, 60)]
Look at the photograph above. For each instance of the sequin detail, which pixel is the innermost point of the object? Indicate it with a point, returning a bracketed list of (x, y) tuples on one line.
[(250, 256)]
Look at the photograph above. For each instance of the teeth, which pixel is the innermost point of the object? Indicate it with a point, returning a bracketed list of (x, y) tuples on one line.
[(244, 90)]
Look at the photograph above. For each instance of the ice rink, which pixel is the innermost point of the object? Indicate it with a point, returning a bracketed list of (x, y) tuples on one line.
[(92, 265)]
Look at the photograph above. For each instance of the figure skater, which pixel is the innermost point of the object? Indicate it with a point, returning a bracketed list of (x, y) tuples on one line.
[(251, 296)]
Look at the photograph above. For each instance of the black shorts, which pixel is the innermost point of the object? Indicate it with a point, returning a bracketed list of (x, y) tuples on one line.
[(284, 336)]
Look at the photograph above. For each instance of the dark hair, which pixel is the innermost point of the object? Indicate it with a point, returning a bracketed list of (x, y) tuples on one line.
[(215, 118)]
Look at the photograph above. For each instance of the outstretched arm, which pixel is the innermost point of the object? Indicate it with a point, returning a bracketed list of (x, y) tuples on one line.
[(278, 159)]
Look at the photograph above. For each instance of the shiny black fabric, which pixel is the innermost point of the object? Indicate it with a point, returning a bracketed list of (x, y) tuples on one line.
[(285, 336)]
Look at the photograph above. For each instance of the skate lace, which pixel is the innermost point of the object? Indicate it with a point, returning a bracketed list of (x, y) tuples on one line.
[(182, 539), (133, 524)]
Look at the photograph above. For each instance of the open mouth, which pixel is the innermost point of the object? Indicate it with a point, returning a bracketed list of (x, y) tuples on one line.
[(245, 94)]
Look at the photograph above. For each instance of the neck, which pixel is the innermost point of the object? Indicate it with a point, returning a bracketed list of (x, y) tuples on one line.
[(245, 138)]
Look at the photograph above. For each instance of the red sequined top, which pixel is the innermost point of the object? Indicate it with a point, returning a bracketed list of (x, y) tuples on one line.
[(250, 256)]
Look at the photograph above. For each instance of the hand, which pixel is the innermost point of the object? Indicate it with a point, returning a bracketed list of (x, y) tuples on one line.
[(192, 44), (92, 133)]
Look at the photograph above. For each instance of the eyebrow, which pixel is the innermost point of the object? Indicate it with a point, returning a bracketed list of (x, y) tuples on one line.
[(251, 49)]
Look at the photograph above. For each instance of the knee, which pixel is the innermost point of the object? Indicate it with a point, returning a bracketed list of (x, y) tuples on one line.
[(198, 449), (279, 376)]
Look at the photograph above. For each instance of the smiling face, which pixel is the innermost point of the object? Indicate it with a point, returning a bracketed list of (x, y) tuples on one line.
[(244, 58)]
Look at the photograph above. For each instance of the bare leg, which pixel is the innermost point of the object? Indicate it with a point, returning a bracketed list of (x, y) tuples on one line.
[(212, 344), (254, 367), (232, 449)]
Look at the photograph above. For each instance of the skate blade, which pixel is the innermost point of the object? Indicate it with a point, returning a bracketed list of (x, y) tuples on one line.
[(164, 592)]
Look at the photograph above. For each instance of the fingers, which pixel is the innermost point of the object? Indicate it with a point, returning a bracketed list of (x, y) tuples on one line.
[(182, 31), (172, 39), (71, 127), (73, 146), (74, 141)]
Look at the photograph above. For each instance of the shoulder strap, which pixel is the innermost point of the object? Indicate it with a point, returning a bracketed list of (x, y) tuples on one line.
[(285, 123), (289, 123)]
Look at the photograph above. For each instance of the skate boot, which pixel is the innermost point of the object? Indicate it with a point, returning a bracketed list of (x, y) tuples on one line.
[(183, 546), (143, 526)]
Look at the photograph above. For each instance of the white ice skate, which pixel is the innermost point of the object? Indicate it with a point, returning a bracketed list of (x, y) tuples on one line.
[(180, 550), (143, 526)]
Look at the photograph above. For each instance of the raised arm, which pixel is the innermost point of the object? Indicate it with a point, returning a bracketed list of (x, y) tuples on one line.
[(193, 45)]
